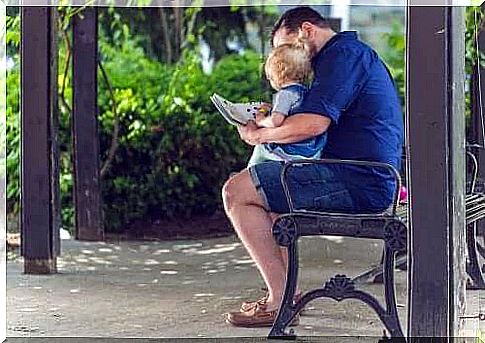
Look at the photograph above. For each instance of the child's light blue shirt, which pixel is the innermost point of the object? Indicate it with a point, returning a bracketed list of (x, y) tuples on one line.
[(285, 101)]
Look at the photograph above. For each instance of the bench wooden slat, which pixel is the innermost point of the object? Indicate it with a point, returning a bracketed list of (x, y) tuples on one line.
[(474, 208)]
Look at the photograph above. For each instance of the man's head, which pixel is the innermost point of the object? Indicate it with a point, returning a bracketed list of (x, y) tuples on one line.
[(304, 23)]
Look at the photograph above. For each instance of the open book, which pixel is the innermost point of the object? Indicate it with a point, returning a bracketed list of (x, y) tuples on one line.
[(235, 113)]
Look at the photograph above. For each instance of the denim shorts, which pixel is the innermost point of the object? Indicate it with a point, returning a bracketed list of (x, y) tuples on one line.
[(311, 187)]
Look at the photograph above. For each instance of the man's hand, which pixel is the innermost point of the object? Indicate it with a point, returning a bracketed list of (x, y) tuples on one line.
[(249, 133)]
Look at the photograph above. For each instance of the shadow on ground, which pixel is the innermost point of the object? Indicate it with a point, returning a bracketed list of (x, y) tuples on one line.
[(181, 289)]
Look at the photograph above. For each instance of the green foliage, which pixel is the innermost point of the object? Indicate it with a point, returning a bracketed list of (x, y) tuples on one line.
[(474, 19), (244, 81), (175, 151), (394, 56), (165, 32), (12, 127), (474, 24), (13, 139), (13, 30)]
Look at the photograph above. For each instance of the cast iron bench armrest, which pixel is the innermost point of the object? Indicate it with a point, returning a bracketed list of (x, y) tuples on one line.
[(473, 181), (290, 164)]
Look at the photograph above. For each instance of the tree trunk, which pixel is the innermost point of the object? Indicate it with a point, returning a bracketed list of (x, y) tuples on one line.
[(166, 35), (178, 29)]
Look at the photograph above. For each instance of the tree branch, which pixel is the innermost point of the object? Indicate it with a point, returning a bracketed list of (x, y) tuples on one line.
[(190, 28), (66, 69), (116, 125)]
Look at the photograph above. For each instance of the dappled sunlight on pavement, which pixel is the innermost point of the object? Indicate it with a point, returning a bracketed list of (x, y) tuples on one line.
[(180, 289)]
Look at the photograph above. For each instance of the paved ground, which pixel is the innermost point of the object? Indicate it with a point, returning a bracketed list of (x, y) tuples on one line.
[(181, 289)]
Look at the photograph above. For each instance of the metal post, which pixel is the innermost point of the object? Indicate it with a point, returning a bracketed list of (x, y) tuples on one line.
[(477, 122), (436, 137), (87, 198), (40, 210), (341, 9)]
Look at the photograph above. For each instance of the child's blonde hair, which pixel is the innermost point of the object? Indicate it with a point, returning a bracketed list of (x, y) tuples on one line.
[(288, 63)]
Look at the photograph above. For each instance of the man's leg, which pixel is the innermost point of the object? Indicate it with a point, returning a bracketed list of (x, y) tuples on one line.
[(245, 209), (284, 251)]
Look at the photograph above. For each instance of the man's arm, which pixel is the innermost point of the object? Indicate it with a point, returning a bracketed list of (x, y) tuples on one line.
[(294, 129)]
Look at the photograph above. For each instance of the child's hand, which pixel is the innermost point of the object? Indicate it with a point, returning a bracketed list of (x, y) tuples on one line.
[(264, 108), (259, 118), (275, 119)]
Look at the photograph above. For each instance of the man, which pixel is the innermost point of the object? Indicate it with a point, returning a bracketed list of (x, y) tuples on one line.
[(353, 99)]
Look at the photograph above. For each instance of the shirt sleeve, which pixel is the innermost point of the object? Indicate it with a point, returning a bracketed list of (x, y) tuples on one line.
[(338, 78), (284, 100)]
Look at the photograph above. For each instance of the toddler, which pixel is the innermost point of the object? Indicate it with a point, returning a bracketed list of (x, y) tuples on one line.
[(287, 68)]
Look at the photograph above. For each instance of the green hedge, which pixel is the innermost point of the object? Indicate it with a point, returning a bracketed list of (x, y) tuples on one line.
[(176, 169), (174, 150), (13, 138)]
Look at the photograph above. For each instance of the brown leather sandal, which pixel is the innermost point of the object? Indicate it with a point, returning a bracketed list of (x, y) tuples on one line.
[(257, 316), (248, 305)]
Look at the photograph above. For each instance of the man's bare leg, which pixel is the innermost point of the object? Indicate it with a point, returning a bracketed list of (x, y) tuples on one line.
[(245, 209), (284, 252)]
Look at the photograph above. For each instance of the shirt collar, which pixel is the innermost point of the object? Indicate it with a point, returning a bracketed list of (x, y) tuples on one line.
[(343, 35), (291, 84)]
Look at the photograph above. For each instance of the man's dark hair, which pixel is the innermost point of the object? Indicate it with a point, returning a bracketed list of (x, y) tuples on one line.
[(292, 20)]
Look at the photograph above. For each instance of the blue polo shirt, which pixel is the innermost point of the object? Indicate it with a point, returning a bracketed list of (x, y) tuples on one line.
[(353, 88)]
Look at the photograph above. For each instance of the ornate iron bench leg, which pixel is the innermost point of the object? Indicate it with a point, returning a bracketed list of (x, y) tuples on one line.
[(391, 320), (375, 275), (480, 246), (287, 310), (473, 267), (481, 250), (339, 287)]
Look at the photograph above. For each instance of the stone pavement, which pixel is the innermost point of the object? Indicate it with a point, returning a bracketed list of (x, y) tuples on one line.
[(182, 288)]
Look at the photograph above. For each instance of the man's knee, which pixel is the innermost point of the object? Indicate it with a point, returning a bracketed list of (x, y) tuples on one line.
[(229, 192), (238, 190)]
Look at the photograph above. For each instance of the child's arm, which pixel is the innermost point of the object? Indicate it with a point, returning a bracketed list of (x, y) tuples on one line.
[(283, 101)]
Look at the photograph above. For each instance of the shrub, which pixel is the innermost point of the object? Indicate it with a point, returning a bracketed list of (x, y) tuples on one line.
[(13, 139), (174, 151), (176, 170)]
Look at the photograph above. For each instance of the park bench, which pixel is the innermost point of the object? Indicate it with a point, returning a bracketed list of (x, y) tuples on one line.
[(389, 226)]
